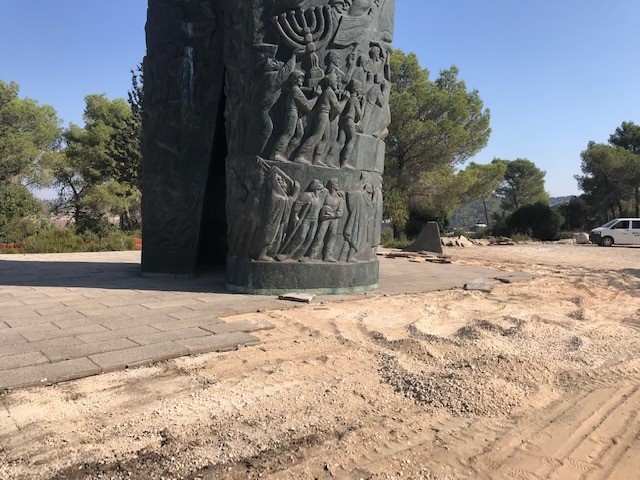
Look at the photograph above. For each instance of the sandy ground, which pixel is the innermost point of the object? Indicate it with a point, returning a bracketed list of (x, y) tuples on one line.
[(533, 380)]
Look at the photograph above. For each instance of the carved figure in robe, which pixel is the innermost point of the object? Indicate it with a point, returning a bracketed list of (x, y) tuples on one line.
[(363, 74), (248, 201), (327, 108), (330, 138), (377, 221), (330, 214), (269, 90), (303, 224), (377, 113), (296, 106), (359, 229), (280, 193), (351, 115)]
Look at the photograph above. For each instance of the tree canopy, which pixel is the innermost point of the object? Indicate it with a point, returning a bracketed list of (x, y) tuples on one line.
[(627, 136), (92, 173), (611, 174), (436, 125), (523, 184), (611, 180), (28, 131)]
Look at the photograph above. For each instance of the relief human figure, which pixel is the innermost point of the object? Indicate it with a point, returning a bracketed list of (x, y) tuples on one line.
[(341, 7), (363, 72), (274, 77), (327, 108), (377, 113), (303, 224), (352, 64), (360, 7), (359, 229), (280, 193), (377, 60), (243, 236), (333, 66), (296, 106), (330, 137), (351, 115), (330, 214)]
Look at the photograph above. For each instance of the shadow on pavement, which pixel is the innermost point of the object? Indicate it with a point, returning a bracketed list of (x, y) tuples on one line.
[(396, 276), (108, 275)]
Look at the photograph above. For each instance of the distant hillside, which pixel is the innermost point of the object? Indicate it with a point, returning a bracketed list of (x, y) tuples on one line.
[(555, 201), (471, 213)]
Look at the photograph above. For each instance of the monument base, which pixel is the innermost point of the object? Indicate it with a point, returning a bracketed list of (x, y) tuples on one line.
[(273, 278)]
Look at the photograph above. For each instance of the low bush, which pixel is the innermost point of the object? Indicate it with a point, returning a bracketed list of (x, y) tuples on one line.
[(566, 235), (58, 240), (18, 229), (66, 240), (521, 238), (386, 235), (398, 242)]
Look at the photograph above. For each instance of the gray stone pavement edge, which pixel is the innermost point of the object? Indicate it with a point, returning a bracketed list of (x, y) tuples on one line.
[(67, 316)]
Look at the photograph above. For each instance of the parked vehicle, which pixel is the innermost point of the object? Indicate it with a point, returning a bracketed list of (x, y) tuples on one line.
[(619, 231)]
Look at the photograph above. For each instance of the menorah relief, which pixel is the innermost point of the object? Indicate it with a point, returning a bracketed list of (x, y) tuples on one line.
[(323, 100), (303, 30)]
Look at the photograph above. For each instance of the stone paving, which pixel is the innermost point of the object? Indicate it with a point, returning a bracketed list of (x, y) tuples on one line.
[(66, 316)]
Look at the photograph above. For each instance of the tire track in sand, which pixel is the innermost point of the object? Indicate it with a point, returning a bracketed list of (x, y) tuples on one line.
[(571, 442)]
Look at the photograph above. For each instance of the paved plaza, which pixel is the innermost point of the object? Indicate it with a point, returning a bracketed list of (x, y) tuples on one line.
[(66, 316)]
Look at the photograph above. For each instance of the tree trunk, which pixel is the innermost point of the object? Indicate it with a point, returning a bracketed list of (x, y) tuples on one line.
[(396, 231), (486, 211)]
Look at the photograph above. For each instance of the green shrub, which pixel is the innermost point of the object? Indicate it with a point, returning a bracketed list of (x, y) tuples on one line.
[(18, 229), (98, 225), (111, 241), (16, 202), (499, 226), (66, 240), (538, 220), (521, 238), (58, 240), (400, 242), (386, 235)]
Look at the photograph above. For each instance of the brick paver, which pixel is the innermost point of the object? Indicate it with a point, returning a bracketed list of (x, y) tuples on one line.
[(66, 316), (49, 373)]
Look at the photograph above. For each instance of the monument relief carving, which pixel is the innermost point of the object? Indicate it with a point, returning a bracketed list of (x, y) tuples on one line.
[(307, 89)]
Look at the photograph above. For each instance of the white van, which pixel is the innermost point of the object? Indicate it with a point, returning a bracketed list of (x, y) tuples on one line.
[(619, 231)]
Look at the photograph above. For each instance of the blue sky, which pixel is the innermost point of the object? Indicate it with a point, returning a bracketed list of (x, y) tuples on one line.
[(555, 74)]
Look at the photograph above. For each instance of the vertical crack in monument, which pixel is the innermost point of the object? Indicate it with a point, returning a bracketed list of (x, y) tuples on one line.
[(307, 109)]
